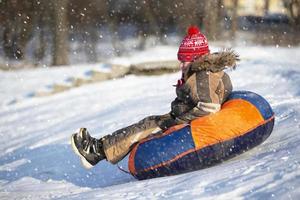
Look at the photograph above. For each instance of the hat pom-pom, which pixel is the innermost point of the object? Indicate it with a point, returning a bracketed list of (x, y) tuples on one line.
[(193, 30)]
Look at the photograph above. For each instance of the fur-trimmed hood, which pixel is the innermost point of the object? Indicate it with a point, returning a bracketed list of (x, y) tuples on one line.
[(216, 62)]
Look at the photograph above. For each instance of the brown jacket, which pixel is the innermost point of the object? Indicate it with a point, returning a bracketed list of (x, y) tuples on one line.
[(206, 86)]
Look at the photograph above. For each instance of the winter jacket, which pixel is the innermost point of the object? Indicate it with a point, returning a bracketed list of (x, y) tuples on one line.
[(205, 86)]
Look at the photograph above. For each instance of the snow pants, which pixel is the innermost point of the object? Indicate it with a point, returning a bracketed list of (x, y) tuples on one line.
[(117, 145)]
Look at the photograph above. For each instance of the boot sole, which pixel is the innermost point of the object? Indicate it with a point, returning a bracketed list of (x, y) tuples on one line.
[(84, 162)]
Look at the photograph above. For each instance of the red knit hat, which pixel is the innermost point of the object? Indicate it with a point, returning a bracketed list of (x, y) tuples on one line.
[(193, 45)]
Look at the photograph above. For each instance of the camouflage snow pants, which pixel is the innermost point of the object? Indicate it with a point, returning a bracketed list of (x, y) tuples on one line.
[(118, 144)]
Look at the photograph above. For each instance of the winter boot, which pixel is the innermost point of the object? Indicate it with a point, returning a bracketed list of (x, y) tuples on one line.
[(89, 149)]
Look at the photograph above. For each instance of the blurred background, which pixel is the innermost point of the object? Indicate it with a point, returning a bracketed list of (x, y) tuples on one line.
[(39, 33)]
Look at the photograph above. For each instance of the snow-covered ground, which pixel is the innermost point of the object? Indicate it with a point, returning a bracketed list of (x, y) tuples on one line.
[(36, 161)]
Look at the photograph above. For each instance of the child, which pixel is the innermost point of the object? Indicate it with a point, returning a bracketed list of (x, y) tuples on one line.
[(202, 89)]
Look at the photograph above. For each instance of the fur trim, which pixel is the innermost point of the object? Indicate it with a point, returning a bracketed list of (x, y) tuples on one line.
[(216, 62)]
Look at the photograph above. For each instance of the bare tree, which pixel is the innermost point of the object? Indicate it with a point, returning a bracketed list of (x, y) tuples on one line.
[(40, 49), (18, 27), (161, 17), (60, 44), (115, 9), (210, 19), (41, 19), (266, 7), (234, 18), (294, 10)]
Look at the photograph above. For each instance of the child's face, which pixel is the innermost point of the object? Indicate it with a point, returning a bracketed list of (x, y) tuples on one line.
[(184, 65)]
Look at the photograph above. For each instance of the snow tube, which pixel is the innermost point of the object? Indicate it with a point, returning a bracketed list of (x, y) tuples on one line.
[(245, 120)]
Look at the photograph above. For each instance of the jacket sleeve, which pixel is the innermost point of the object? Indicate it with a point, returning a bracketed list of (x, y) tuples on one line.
[(178, 107), (204, 95)]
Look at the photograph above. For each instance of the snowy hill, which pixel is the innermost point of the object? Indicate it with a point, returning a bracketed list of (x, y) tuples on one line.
[(36, 161)]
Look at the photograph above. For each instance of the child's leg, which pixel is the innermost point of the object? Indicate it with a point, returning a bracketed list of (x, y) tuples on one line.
[(117, 145)]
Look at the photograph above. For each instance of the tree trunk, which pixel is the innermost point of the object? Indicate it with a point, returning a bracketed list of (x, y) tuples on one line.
[(297, 20), (149, 16), (293, 8), (220, 17), (210, 19), (115, 39), (8, 40), (17, 23), (25, 31), (267, 7), (40, 50), (234, 18), (60, 48), (91, 44)]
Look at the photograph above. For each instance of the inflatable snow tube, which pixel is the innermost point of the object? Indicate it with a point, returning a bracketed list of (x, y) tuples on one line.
[(244, 121)]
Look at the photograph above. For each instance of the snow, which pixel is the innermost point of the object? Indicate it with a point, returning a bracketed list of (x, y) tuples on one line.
[(36, 160), (17, 85), (157, 53)]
